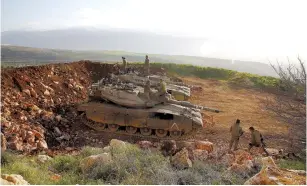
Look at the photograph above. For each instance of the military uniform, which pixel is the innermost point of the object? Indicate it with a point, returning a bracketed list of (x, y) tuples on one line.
[(164, 96), (256, 140), (147, 90), (162, 87), (146, 66), (236, 131), (124, 64)]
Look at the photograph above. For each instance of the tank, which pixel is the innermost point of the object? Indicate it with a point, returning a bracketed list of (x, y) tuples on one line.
[(122, 107), (176, 89)]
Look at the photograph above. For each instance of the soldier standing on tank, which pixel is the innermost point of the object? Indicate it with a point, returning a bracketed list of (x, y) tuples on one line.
[(146, 66), (124, 65), (164, 96), (256, 140), (162, 87), (147, 90), (236, 132)]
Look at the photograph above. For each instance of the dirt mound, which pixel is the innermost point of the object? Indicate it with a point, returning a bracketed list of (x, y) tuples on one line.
[(44, 96), (39, 104)]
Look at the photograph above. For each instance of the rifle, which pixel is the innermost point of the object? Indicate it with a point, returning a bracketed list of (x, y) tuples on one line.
[(263, 144), (262, 141)]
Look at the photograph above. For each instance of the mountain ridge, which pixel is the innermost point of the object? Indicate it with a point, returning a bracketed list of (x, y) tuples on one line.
[(12, 53)]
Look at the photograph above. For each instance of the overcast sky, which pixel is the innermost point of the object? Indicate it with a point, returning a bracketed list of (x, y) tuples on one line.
[(249, 30)]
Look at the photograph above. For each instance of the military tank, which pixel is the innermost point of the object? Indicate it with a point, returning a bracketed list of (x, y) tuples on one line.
[(176, 89), (120, 107)]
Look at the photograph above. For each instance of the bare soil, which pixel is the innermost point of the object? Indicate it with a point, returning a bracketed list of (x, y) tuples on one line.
[(238, 103)]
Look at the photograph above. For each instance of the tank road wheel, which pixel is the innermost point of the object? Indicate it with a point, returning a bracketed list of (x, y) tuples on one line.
[(113, 127), (146, 131), (161, 133), (100, 126), (95, 125), (175, 133), (131, 130)]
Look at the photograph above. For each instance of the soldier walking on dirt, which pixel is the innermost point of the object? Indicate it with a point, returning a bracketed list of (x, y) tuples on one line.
[(256, 140), (236, 132), (124, 65), (146, 66)]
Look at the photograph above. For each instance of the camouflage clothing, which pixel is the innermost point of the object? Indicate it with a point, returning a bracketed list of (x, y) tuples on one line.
[(256, 137), (236, 132), (257, 141)]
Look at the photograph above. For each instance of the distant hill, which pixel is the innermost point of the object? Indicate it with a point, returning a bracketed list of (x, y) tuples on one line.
[(11, 53), (110, 44), (107, 39)]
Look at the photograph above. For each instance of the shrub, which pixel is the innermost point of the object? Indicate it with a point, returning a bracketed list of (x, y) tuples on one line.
[(130, 166), (88, 151), (7, 158), (66, 163)]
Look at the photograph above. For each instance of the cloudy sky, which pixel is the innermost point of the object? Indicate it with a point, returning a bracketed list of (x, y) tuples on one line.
[(250, 30)]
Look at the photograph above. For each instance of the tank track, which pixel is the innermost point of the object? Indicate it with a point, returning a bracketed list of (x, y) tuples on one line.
[(97, 127)]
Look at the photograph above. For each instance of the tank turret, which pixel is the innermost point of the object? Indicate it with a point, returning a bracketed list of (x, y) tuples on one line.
[(177, 89), (130, 95)]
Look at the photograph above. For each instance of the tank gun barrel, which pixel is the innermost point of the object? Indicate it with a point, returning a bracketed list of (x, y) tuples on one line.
[(190, 105), (210, 109), (177, 83)]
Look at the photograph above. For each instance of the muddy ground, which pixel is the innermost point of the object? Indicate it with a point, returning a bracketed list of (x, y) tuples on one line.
[(56, 89)]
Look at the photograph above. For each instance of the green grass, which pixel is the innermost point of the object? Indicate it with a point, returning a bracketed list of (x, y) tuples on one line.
[(88, 151), (130, 165), (33, 172), (40, 173), (292, 164), (232, 77)]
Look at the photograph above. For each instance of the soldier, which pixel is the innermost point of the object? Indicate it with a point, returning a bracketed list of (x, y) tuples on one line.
[(162, 87), (146, 66), (256, 140), (163, 94), (236, 133), (124, 64), (147, 90)]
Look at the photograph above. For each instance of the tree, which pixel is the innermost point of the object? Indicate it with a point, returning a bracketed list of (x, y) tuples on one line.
[(290, 101)]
